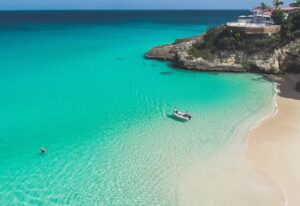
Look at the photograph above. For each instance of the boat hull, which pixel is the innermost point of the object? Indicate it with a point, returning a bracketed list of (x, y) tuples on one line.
[(182, 116)]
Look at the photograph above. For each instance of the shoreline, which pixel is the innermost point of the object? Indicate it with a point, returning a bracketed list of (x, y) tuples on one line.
[(273, 142)]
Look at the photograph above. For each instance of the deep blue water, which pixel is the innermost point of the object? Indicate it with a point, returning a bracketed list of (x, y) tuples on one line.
[(206, 17)]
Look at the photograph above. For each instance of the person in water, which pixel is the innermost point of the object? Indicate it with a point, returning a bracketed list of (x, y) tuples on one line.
[(43, 150), (175, 110)]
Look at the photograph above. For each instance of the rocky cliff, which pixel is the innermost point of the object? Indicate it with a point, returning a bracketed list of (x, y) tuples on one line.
[(280, 60)]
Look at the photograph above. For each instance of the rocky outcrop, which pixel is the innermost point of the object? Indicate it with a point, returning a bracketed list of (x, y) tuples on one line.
[(278, 61), (298, 86)]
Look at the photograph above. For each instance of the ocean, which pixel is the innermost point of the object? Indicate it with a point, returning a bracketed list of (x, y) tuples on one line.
[(76, 83)]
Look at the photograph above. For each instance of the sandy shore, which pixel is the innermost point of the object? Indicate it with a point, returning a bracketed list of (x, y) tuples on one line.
[(274, 147)]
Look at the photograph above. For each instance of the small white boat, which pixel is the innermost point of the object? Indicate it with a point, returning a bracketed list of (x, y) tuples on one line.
[(182, 115)]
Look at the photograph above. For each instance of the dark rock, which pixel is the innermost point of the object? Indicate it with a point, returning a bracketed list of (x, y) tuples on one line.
[(298, 86)]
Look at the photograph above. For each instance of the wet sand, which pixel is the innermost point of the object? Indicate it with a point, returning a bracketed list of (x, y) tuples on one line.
[(274, 146)]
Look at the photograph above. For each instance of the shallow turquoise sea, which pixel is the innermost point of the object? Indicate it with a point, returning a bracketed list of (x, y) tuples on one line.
[(85, 92)]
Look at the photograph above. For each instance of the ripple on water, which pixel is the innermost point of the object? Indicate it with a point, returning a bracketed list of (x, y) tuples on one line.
[(104, 121)]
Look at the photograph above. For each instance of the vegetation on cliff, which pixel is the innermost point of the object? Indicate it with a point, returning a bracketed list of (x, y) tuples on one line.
[(221, 38), (227, 49)]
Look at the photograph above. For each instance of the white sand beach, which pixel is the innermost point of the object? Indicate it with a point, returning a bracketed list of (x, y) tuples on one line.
[(274, 147)]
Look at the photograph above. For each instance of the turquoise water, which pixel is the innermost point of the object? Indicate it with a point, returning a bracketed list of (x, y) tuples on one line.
[(85, 92)]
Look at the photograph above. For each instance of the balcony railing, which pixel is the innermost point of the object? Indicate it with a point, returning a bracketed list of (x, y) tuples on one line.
[(254, 28)]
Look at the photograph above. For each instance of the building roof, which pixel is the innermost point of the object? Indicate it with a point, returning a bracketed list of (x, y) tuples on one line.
[(294, 5), (269, 9)]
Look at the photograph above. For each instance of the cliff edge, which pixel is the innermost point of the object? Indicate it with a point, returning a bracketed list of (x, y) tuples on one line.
[(185, 54)]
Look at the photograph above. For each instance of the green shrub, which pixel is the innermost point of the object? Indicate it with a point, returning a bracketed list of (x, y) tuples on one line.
[(212, 35), (204, 53), (287, 30), (277, 16), (295, 21)]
